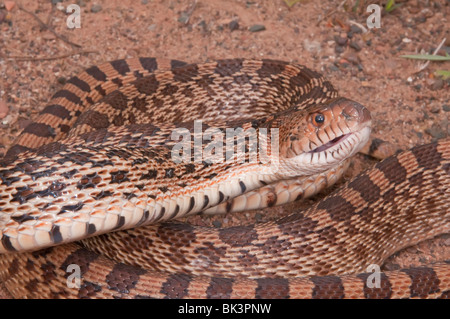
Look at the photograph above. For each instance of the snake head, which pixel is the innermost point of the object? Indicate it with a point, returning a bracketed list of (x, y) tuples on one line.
[(321, 136)]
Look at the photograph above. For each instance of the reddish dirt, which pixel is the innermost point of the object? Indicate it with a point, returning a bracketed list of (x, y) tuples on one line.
[(408, 108)]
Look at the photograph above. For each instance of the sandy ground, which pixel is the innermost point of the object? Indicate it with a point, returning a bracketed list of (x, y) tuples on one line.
[(408, 108)]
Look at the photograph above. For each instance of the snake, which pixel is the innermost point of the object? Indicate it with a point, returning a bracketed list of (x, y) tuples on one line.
[(95, 183)]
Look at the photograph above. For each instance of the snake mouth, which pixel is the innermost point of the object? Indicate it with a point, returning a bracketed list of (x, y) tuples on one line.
[(330, 144)]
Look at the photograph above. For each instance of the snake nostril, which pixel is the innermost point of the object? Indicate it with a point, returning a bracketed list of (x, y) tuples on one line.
[(346, 115), (356, 111)]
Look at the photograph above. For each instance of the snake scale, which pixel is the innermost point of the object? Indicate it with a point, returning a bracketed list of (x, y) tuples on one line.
[(98, 159)]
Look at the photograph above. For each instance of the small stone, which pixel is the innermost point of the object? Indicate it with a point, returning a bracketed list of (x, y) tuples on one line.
[(203, 25), (233, 25), (96, 8), (341, 39), (81, 3), (436, 131), (355, 46), (435, 109), (419, 134), (144, 1), (333, 68), (56, 1), (355, 29), (183, 18), (339, 49), (446, 108), (61, 80), (257, 28), (352, 57), (420, 19), (151, 27), (217, 224), (437, 85)]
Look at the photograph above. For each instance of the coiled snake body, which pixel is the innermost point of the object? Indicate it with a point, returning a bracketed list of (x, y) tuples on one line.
[(99, 158)]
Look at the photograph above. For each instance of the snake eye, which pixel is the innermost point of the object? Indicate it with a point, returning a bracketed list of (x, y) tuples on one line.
[(318, 119)]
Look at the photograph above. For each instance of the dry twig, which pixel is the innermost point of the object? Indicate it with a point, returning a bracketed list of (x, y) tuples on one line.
[(331, 12), (423, 66), (47, 27), (31, 58)]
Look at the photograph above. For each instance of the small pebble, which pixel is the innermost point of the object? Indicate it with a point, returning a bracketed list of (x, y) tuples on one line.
[(341, 39), (437, 85), (217, 224), (144, 1), (355, 29), (436, 132), (420, 19), (435, 109), (233, 25), (61, 80), (257, 28), (352, 57), (446, 108), (96, 8), (333, 68), (355, 46), (183, 18), (203, 25), (339, 49)]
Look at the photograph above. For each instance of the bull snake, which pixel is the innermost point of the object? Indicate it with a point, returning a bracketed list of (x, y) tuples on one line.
[(84, 167)]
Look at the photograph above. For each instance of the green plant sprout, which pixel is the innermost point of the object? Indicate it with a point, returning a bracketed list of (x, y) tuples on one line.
[(445, 74), (391, 6), (290, 3)]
